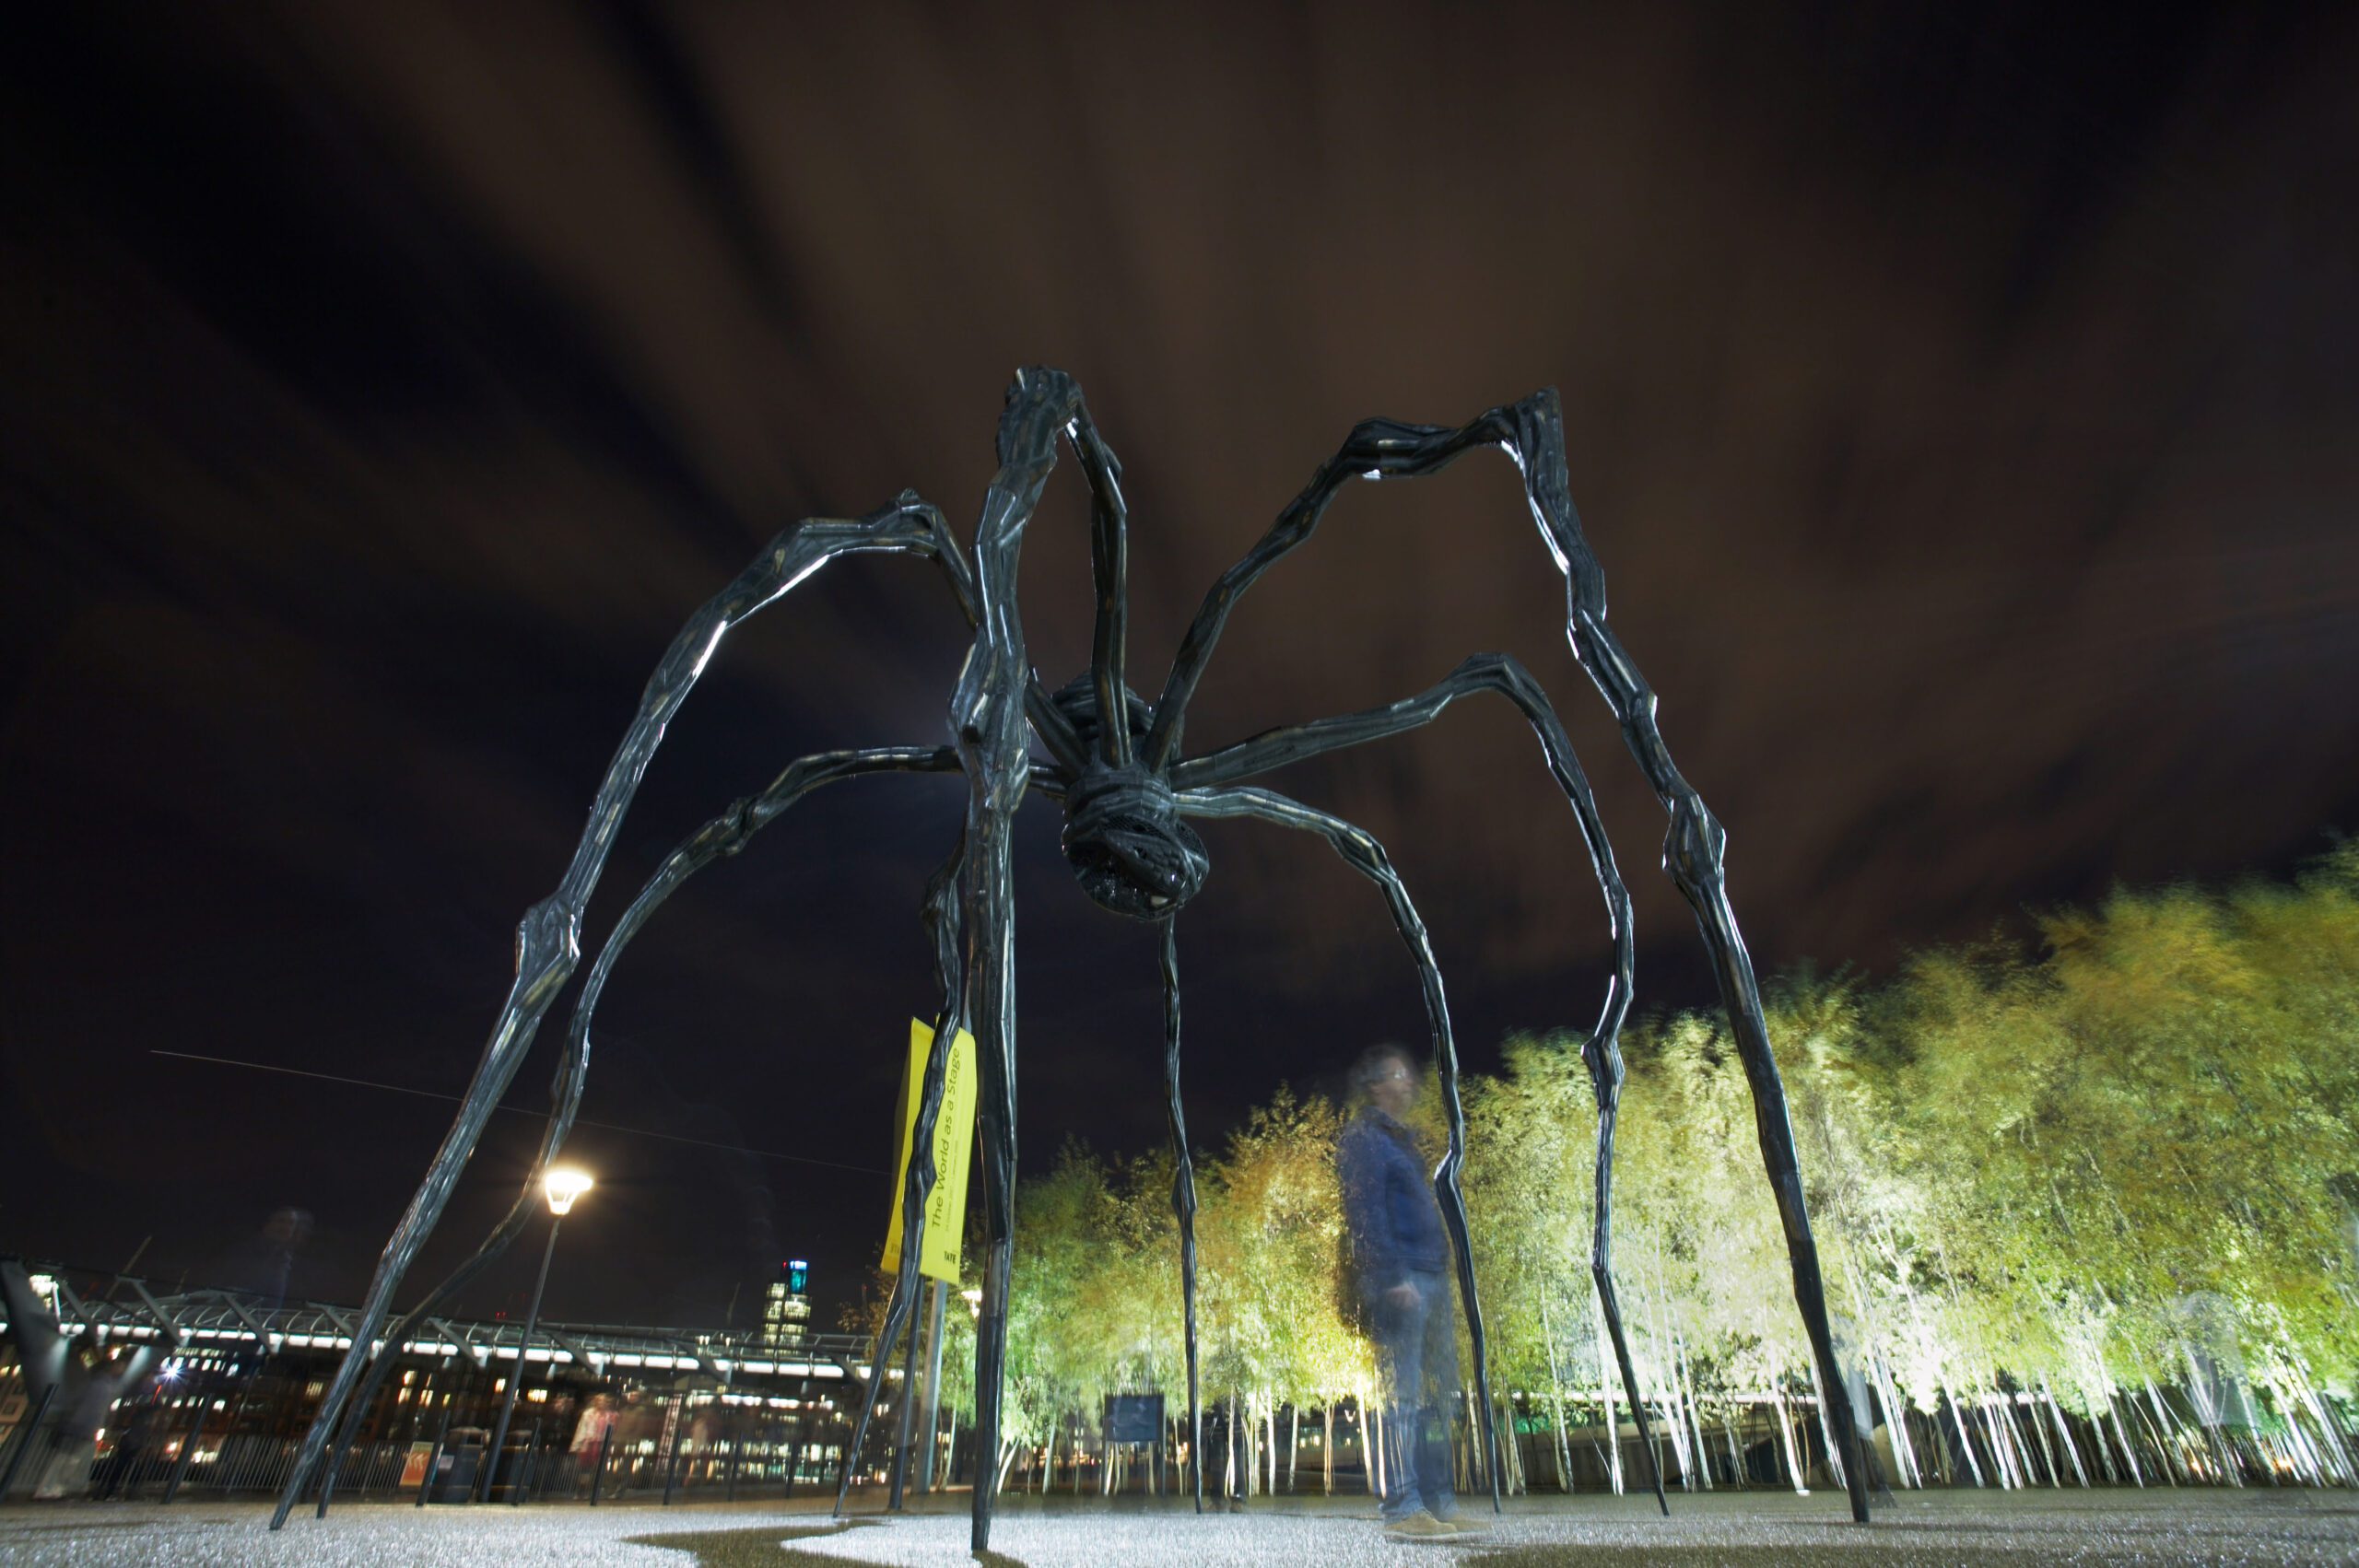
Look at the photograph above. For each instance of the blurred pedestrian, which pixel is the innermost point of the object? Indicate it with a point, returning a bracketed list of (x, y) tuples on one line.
[(1400, 1268)]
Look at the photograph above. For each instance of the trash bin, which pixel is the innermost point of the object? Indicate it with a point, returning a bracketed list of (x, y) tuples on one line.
[(515, 1467), (460, 1465)]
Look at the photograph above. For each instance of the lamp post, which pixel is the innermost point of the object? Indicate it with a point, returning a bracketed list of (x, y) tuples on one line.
[(562, 1186)]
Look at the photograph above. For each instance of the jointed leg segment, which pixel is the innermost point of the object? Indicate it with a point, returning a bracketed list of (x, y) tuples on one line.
[(1183, 1198), (717, 839), (1364, 855), (548, 938), (1532, 434), (1601, 1053), (987, 718), (942, 923)]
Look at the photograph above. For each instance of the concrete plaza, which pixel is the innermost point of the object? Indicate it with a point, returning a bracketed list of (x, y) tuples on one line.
[(1756, 1530)]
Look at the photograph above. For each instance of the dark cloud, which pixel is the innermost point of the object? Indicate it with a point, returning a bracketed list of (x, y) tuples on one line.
[(1960, 403)]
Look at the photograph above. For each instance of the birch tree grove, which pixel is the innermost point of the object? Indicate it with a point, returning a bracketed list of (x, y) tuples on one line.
[(2089, 1209)]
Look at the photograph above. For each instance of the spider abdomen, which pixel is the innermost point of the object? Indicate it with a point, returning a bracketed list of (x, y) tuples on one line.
[(1124, 840)]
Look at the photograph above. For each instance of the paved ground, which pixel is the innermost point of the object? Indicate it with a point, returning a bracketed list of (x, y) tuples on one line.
[(1737, 1530)]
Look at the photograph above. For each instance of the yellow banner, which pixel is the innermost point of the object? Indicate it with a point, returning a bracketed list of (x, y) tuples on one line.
[(954, 1140)]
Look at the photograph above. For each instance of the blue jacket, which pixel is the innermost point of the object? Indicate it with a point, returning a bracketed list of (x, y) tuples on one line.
[(1389, 1208)]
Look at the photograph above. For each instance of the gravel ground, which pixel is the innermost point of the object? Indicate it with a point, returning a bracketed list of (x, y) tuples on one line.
[(1747, 1531)]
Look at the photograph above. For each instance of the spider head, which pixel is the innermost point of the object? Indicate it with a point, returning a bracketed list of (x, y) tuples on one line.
[(1124, 840)]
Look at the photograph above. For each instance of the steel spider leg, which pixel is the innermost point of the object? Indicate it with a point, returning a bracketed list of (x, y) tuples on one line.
[(723, 836), (941, 918), (944, 930), (1109, 549), (1601, 1052), (943, 925), (987, 719), (1184, 1197), (548, 938), (1531, 433), (1364, 855)]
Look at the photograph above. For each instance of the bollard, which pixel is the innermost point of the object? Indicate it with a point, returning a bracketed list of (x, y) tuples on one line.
[(737, 1445), (680, 1436), (188, 1442), (434, 1458), (517, 1483)]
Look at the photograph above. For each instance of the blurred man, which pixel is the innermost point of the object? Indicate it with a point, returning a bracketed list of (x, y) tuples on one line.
[(1399, 1267)]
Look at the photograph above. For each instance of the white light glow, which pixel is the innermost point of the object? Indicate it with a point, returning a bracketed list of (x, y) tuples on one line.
[(563, 1186)]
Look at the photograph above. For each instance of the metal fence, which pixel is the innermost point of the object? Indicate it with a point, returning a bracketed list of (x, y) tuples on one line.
[(606, 1410)]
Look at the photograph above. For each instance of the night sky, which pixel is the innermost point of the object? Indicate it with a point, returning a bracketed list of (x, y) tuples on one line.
[(1961, 402)]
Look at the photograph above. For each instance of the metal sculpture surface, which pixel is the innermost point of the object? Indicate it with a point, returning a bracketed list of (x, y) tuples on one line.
[(1114, 762)]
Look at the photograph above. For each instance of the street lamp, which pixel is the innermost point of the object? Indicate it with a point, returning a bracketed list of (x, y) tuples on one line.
[(563, 1186)]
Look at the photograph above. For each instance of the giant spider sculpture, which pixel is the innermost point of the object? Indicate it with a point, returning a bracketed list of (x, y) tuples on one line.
[(1114, 763)]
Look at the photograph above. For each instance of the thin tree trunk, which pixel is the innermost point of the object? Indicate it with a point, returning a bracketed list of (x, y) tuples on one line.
[(2307, 1464), (2105, 1443), (1515, 1449), (2025, 1418), (2010, 1469), (2331, 1442), (1895, 1421), (2029, 1417), (2207, 1410), (2329, 1432), (1228, 1456), (1694, 1412), (2064, 1433), (1666, 1373), (2010, 1416), (1293, 1442), (1786, 1438), (1964, 1439), (2165, 1451), (1252, 1448), (1270, 1426), (2172, 1450), (1327, 1448), (1557, 1384)]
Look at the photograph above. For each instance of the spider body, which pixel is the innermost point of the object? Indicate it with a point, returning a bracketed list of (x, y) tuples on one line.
[(1123, 836), (1127, 794), (1127, 845)]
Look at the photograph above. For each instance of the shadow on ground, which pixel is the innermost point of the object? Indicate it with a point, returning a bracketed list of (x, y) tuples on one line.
[(767, 1545)]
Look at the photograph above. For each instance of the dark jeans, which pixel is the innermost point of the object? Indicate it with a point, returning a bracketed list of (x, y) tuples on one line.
[(1416, 1349)]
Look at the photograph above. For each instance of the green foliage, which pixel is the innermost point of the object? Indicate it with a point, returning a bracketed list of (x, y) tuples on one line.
[(2025, 1169)]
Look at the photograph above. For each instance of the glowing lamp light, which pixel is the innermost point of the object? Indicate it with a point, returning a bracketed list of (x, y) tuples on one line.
[(563, 1186)]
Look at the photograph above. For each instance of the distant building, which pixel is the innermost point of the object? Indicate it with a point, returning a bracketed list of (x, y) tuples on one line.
[(786, 1304), (239, 1378)]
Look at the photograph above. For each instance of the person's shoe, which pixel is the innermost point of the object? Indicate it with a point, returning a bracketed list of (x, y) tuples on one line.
[(1419, 1527)]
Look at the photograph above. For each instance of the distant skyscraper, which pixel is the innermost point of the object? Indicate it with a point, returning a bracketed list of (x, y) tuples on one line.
[(786, 1304)]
